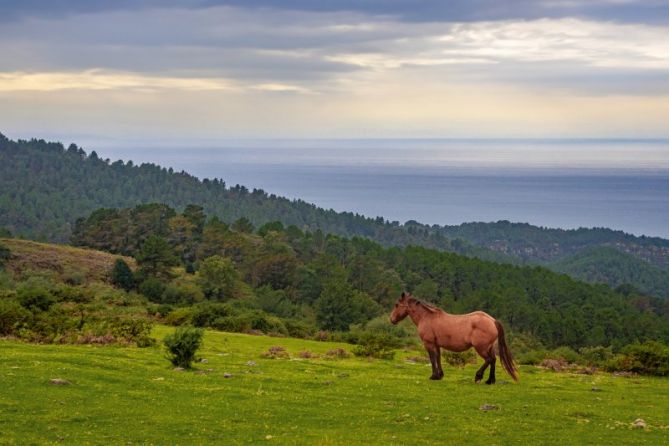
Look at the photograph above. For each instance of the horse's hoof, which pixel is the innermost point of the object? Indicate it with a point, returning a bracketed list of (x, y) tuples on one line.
[(477, 381), (490, 382), (434, 378)]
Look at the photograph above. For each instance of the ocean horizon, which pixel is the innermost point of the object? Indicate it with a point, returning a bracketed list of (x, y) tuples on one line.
[(618, 184)]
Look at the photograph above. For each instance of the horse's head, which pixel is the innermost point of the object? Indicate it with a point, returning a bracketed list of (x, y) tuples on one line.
[(401, 309)]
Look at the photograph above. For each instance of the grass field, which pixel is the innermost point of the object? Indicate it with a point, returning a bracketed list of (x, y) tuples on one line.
[(123, 395)]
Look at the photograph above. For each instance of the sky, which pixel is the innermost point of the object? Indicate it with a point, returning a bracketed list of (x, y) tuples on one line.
[(203, 71)]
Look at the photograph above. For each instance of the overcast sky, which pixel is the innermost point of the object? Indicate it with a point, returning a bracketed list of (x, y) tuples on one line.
[(201, 71)]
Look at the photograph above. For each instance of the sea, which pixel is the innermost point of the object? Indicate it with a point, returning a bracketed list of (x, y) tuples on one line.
[(618, 184)]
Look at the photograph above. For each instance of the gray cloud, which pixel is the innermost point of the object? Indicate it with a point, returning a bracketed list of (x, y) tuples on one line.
[(637, 11)]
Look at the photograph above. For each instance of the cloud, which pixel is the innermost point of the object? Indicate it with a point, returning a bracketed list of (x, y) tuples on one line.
[(332, 70), (637, 11)]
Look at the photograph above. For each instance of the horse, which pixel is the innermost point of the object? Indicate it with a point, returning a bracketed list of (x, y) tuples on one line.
[(457, 333)]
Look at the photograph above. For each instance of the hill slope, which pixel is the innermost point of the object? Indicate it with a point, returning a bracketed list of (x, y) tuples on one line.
[(45, 188), (65, 262), (613, 267)]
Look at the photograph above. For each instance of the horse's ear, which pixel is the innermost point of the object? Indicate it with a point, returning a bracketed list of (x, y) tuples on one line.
[(403, 294)]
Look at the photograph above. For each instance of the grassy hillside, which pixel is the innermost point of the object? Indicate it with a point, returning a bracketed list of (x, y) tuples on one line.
[(613, 267), (132, 396), (66, 263)]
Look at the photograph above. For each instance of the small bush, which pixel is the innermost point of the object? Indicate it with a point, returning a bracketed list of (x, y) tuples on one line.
[(121, 275), (35, 296), (12, 317), (596, 356), (532, 357), (276, 352), (306, 354), (459, 359), (182, 345), (133, 330), (153, 289), (650, 358), (374, 345), (337, 353)]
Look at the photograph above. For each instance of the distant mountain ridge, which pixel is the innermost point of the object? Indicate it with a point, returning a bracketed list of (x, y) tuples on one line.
[(45, 187)]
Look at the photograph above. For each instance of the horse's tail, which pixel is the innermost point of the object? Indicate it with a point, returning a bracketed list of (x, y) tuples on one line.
[(505, 353)]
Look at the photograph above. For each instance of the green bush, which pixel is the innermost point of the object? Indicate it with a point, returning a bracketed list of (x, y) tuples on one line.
[(650, 358), (12, 316), (182, 345), (206, 313), (121, 275), (35, 296), (153, 289), (180, 316), (596, 356), (376, 345), (459, 359), (5, 254), (135, 330)]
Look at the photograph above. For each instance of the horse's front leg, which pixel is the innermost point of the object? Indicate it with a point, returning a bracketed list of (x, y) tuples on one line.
[(433, 352), (440, 371)]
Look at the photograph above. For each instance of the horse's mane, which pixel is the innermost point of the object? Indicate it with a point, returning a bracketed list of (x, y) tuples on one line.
[(428, 307)]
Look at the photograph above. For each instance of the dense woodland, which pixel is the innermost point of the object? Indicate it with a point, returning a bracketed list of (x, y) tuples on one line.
[(329, 282), (45, 187)]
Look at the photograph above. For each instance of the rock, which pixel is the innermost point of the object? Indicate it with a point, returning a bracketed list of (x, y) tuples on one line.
[(60, 382), (227, 375), (251, 363), (487, 407), (639, 423), (596, 389), (204, 360), (178, 369)]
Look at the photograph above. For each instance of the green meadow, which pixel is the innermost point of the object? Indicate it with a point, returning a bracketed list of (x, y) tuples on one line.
[(128, 395)]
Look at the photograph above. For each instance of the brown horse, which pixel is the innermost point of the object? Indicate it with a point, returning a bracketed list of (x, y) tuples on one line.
[(457, 333)]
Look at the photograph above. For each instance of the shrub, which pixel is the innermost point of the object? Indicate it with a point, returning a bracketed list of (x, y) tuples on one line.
[(299, 329), (459, 359), (184, 293), (5, 254), (376, 346), (182, 345), (134, 330), (596, 356), (276, 352), (337, 353), (121, 276), (12, 316), (650, 358), (567, 354), (206, 313), (153, 289), (34, 296)]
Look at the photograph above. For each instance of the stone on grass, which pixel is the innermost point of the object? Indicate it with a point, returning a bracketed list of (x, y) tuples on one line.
[(60, 382), (639, 423), (487, 407), (227, 375), (178, 369)]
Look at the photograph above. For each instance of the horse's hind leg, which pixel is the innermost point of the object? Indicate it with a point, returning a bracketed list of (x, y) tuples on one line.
[(480, 371), (491, 375), (488, 360)]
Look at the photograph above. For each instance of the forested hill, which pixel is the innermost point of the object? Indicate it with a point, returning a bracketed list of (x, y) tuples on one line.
[(544, 245), (45, 188)]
